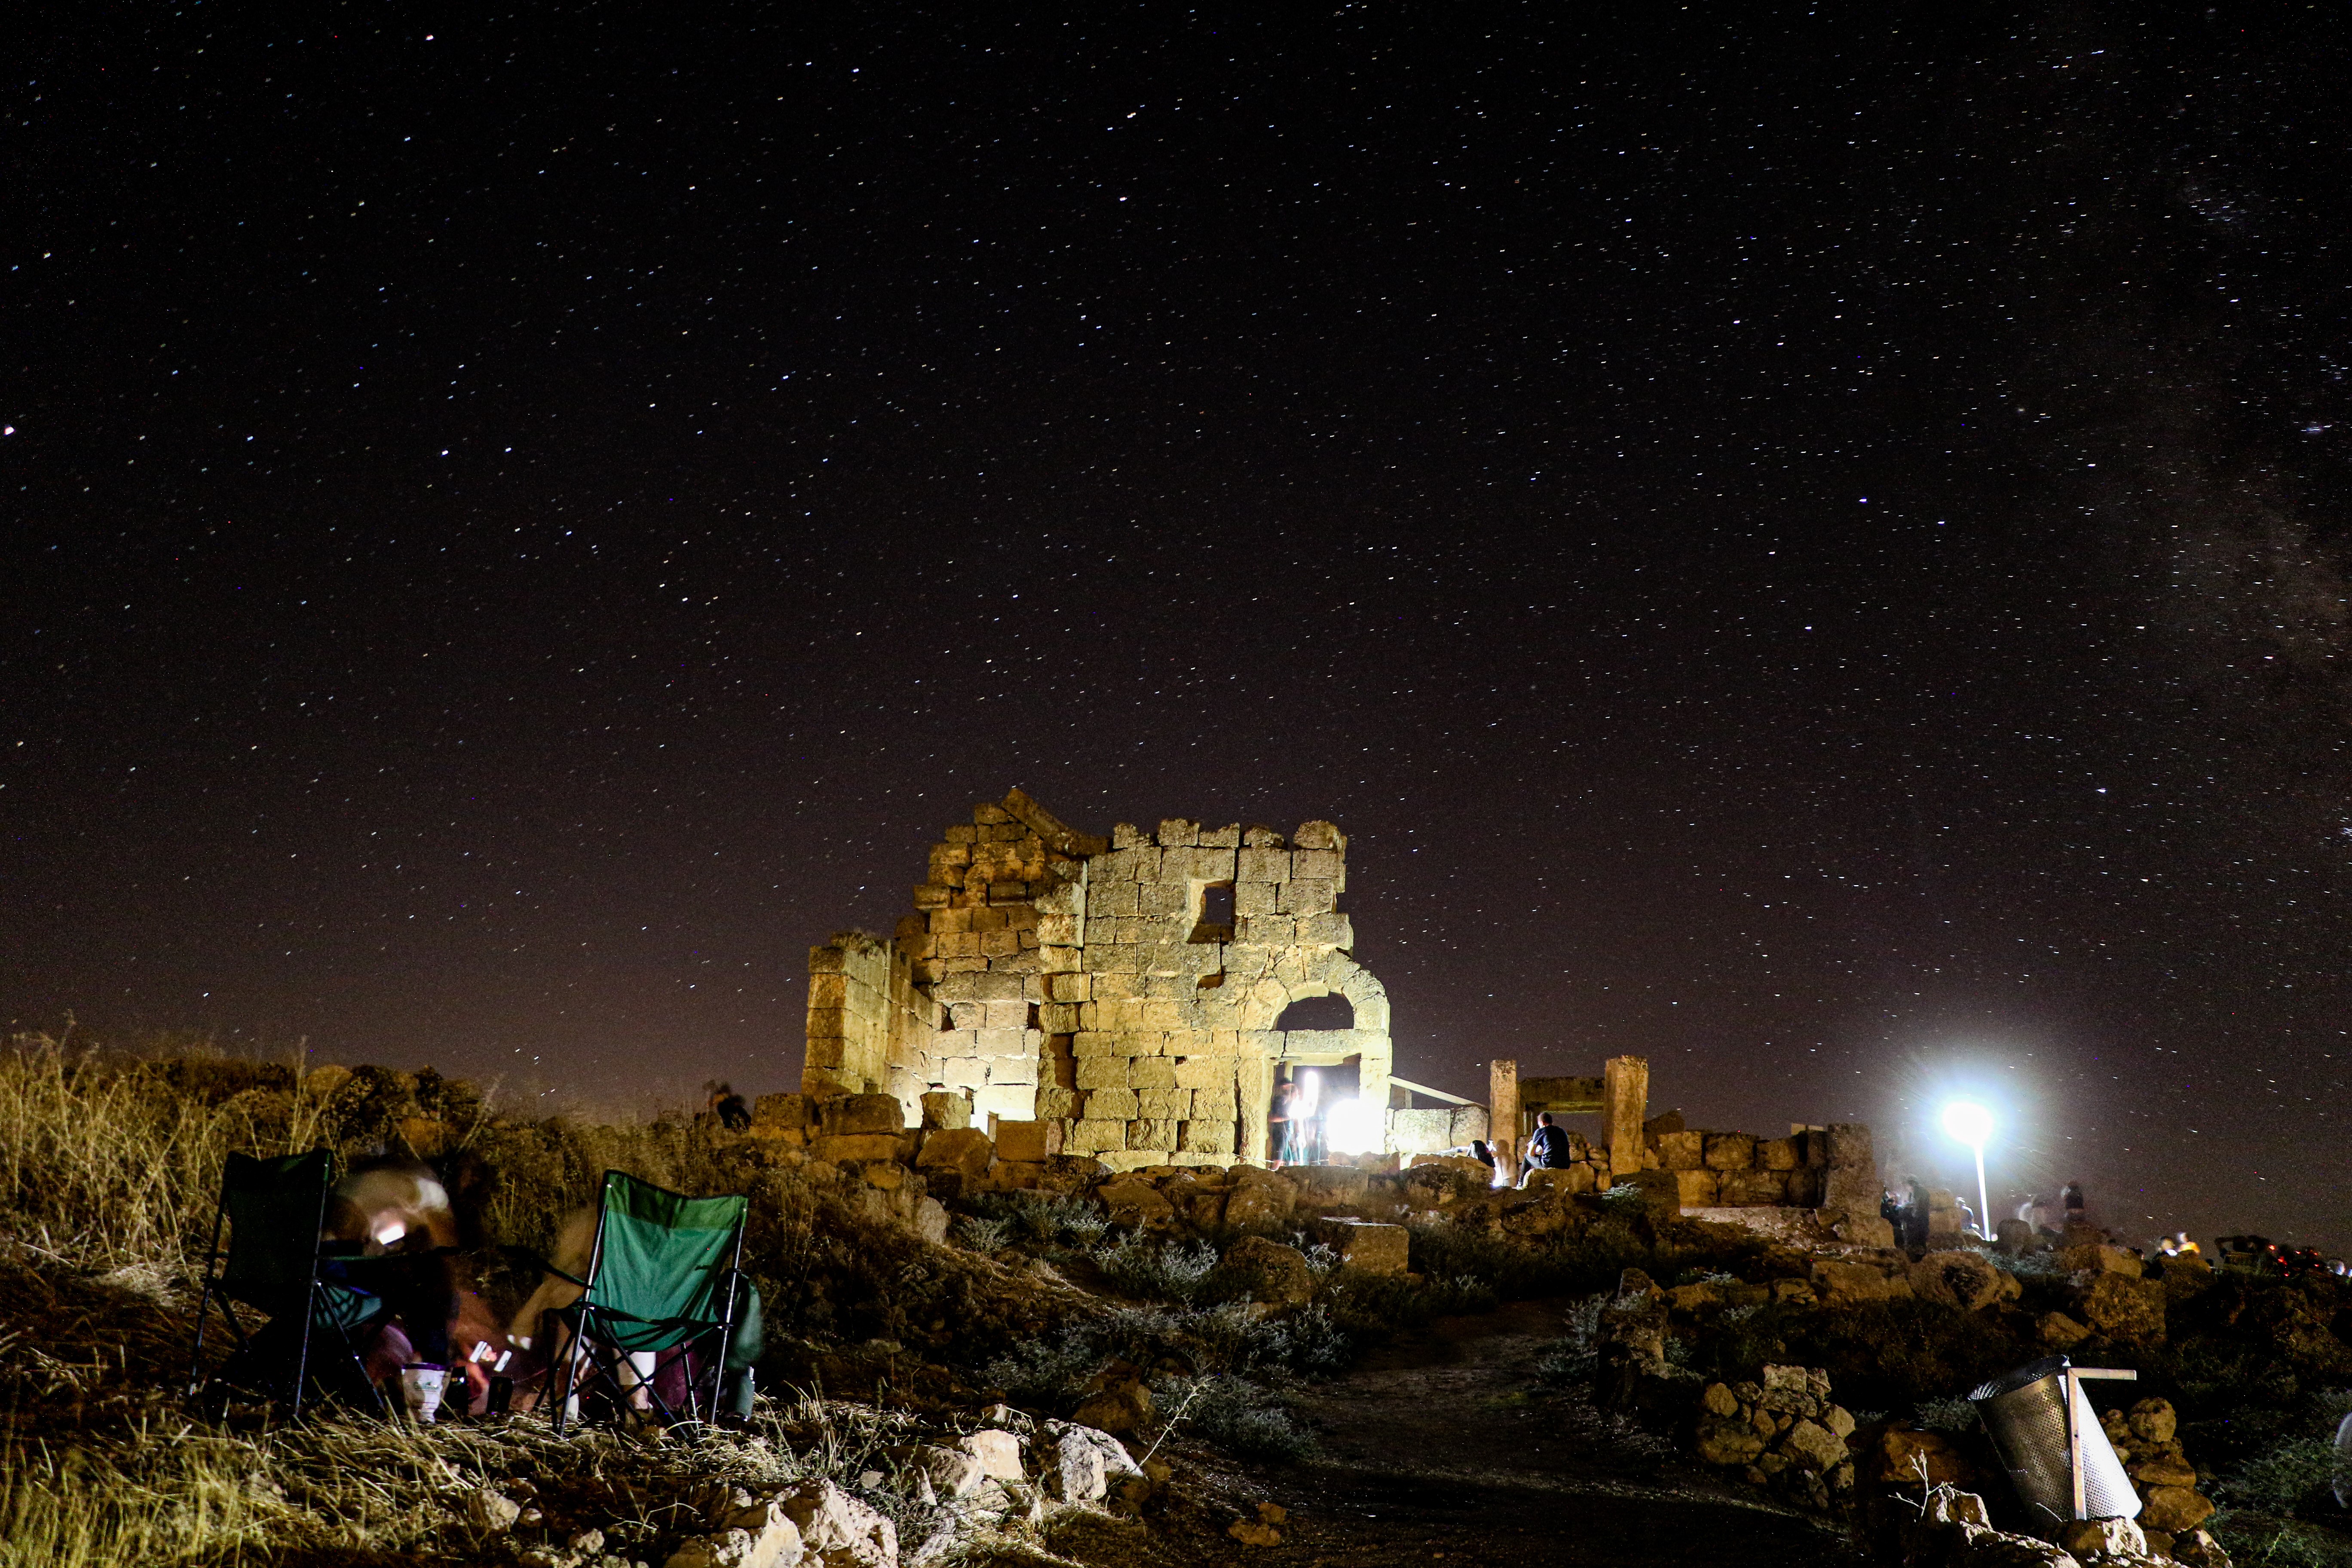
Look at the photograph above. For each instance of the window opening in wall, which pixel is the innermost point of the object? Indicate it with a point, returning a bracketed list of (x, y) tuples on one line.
[(1214, 922), (1333, 1012)]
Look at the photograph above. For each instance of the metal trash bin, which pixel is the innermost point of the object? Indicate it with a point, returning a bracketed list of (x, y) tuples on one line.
[(2025, 1412)]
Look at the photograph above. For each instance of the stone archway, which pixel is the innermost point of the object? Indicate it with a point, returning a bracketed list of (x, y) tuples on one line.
[(1265, 1049)]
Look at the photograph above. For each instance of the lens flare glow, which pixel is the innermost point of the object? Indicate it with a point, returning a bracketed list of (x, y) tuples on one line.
[(1970, 1122), (1353, 1127)]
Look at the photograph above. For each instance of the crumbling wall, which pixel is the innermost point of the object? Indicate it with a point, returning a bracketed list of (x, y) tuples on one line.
[(864, 1014), (1058, 977), (1174, 1048)]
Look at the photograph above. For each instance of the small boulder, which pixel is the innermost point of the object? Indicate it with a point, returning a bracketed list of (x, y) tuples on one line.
[(1841, 1283), (1814, 1447), (1084, 1462), (1120, 1407), (1369, 1248), (966, 1151), (2155, 1421), (2083, 1536), (842, 1531), (1260, 1199), (490, 1510), (2125, 1307), (953, 1472), (998, 1451), (2174, 1509), (2060, 1331), (1964, 1280), (1266, 1271), (2098, 1258), (1131, 1201)]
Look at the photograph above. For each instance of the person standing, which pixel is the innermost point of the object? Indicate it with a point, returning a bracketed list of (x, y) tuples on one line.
[(2071, 1200), (1282, 1123)]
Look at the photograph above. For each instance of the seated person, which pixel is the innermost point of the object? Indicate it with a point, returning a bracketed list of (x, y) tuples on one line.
[(1548, 1149)]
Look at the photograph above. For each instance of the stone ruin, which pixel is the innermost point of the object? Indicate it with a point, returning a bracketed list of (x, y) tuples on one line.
[(1120, 993), (1117, 999)]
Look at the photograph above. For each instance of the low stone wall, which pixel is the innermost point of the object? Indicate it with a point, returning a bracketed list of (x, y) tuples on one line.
[(1742, 1170)]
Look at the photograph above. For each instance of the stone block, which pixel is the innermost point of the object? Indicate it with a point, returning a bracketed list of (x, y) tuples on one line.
[(965, 1150), (1315, 865), (1326, 930), (1152, 1072), (1095, 1137), (1682, 1150), (854, 1115), (1147, 1133), (1266, 1270), (1020, 1070), (1164, 1104), (1261, 865), (1730, 1151), (1779, 1155), (1028, 1142), (1696, 1187), (1017, 1101), (855, 1147), (943, 1109), (1057, 1103), (1751, 1189), (1570, 1180), (1367, 1247), (1112, 1104), (1307, 897), (1205, 1137), (1103, 1072), (778, 1112), (1319, 835), (1203, 1072)]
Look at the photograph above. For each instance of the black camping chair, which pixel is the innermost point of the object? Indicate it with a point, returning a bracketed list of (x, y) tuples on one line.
[(275, 1210), (661, 1276)]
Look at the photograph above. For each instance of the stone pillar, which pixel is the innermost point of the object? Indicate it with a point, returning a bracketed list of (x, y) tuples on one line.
[(1624, 1106), (1502, 1117)]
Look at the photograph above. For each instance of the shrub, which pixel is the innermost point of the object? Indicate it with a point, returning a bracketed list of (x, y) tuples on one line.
[(1573, 1358), (1234, 1414), (1157, 1271)]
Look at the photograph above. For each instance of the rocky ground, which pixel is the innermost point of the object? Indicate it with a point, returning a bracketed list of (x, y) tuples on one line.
[(1446, 1447)]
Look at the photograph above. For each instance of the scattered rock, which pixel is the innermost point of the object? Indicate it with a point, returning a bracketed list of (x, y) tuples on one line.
[(1843, 1283), (998, 1451), (491, 1510), (1369, 1248), (2174, 1509), (2102, 1258), (1964, 1280), (1114, 1400), (953, 1472), (842, 1531), (1267, 1271), (2199, 1550), (2124, 1307), (2060, 1331), (2082, 1536), (1084, 1462), (2155, 1420), (1133, 1201)]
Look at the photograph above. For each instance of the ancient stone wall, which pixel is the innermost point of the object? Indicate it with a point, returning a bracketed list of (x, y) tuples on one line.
[(1080, 981), (865, 1014)]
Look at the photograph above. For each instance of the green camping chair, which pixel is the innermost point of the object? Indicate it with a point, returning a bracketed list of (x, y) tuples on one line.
[(661, 1276), (275, 1210)]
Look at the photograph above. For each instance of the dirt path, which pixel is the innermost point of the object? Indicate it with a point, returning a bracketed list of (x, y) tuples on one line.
[(1444, 1449)]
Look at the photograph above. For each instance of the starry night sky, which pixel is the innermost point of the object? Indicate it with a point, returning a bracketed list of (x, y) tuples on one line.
[(1805, 543)]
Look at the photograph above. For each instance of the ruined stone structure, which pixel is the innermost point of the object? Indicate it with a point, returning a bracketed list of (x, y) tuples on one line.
[(1121, 992)]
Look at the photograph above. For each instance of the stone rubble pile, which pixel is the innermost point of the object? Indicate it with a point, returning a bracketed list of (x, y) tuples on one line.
[(1783, 1434), (2147, 1439), (1953, 1529)]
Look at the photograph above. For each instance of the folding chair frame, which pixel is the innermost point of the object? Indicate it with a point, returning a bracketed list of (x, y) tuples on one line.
[(605, 1362), (210, 1288)]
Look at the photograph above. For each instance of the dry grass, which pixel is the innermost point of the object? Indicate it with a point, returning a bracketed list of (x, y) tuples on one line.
[(105, 1164), (110, 1171)]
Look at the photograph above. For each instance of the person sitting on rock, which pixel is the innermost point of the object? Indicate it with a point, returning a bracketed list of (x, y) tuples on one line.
[(729, 1106), (1547, 1148)]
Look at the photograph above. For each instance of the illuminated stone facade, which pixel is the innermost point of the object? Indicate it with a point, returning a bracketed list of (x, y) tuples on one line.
[(1123, 992)]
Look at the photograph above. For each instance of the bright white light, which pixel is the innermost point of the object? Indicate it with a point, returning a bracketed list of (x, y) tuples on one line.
[(1351, 1127), (390, 1232), (1970, 1122)]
